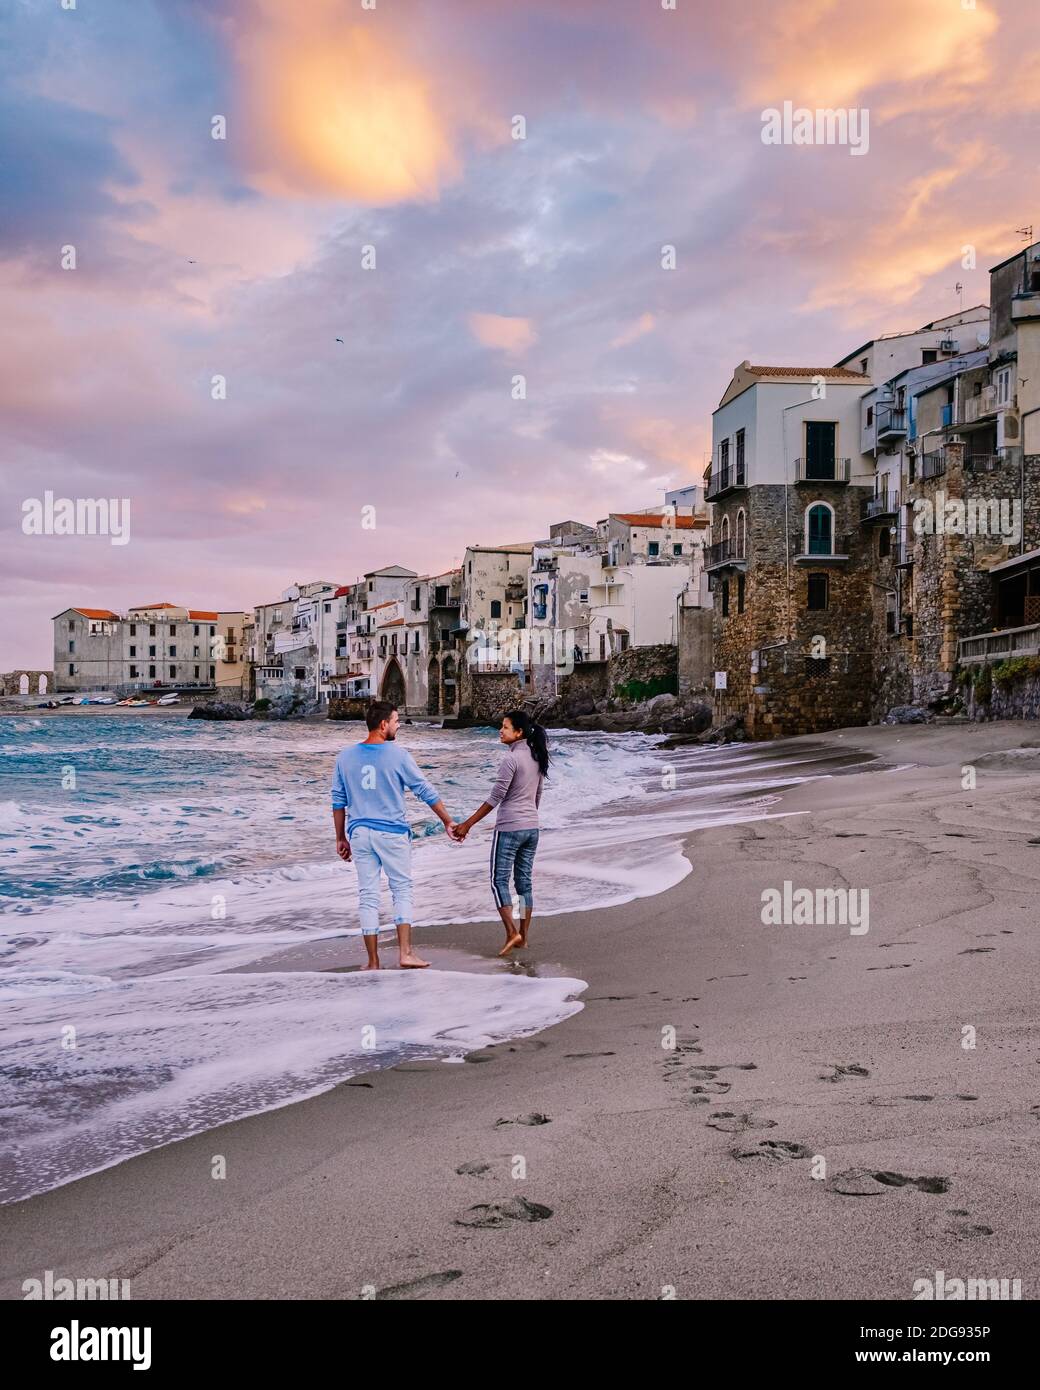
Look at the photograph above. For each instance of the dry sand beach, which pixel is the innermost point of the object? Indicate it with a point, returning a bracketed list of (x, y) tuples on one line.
[(651, 1172)]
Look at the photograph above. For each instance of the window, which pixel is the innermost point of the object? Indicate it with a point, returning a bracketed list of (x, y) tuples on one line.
[(870, 417), (653, 549), (72, 624), (583, 595), (415, 646), (863, 365), (884, 542), (496, 608), (890, 612), (677, 549), (72, 669), (1003, 380), (212, 673), (328, 608), (133, 651), (173, 629), (213, 629), (740, 593), (194, 651), (133, 673), (740, 456), (173, 648), (371, 585), (151, 629), (724, 456), (197, 669), (72, 645), (741, 534), (724, 532), (817, 592), (928, 355), (820, 439), (133, 629), (151, 650), (725, 598), (196, 632), (151, 671), (173, 673), (819, 530)]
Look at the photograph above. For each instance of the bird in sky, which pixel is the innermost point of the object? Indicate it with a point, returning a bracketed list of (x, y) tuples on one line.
[(339, 340)]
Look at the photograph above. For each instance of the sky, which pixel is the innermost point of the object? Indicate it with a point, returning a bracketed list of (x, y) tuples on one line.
[(278, 408)]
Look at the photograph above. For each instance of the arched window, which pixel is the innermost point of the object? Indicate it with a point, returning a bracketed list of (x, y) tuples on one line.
[(819, 529), (741, 535), (724, 531)]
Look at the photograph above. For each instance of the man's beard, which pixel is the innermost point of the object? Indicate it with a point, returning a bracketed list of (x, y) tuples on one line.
[(390, 736)]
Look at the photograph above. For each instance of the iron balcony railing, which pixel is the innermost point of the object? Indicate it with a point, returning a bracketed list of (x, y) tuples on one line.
[(880, 505), (988, 646), (724, 552), (822, 470), (932, 465), (890, 421), (730, 476)]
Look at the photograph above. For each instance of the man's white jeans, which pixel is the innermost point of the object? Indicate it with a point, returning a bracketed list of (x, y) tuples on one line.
[(373, 850)]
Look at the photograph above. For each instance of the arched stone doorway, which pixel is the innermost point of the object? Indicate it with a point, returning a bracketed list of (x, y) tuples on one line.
[(23, 685), (393, 688), (433, 687), (42, 686)]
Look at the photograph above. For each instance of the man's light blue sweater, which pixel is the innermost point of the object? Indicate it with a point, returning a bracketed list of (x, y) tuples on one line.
[(369, 782)]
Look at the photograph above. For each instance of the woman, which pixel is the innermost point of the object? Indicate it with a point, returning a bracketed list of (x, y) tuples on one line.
[(517, 793)]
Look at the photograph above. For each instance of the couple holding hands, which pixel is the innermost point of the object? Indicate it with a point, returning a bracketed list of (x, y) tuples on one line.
[(368, 789)]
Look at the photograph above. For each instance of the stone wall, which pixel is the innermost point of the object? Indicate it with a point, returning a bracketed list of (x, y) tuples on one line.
[(347, 709), (11, 682), (488, 696), (1019, 701), (588, 680), (640, 672), (792, 691), (696, 662)]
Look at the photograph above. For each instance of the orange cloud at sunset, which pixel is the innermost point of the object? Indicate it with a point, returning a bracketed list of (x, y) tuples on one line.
[(510, 335), (334, 108)]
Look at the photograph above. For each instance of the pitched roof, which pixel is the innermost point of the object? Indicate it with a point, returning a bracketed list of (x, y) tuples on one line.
[(660, 519), (203, 613), (142, 607), (96, 612), (840, 373)]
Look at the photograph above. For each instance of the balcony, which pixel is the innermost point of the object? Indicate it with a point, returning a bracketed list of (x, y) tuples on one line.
[(991, 646), (725, 480), (932, 465), (822, 470), (724, 553), (980, 407), (879, 507), (891, 423), (446, 601)]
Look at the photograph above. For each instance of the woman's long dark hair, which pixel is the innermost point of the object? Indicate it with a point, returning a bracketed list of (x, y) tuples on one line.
[(535, 736)]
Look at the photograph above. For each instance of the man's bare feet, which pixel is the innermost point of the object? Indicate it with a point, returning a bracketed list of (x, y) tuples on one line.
[(372, 965), (514, 941), (414, 962)]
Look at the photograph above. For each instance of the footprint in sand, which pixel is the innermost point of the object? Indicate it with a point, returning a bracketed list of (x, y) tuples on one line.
[(840, 1070), (861, 1182), (712, 1088), (580, 1056), (732, 1123), (419, 1288), (535, 1118), (964, 1228), (473, 1169), (976, 950), (492, 1216), (776, 1150)]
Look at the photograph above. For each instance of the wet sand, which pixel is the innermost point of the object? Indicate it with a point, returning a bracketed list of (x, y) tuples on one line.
[(595, 1160)]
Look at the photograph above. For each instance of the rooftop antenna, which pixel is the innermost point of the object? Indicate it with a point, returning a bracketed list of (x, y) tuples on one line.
[(1026, 233), (959, 291)]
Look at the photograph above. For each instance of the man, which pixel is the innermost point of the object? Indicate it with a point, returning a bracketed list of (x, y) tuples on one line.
[(369, 782)]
